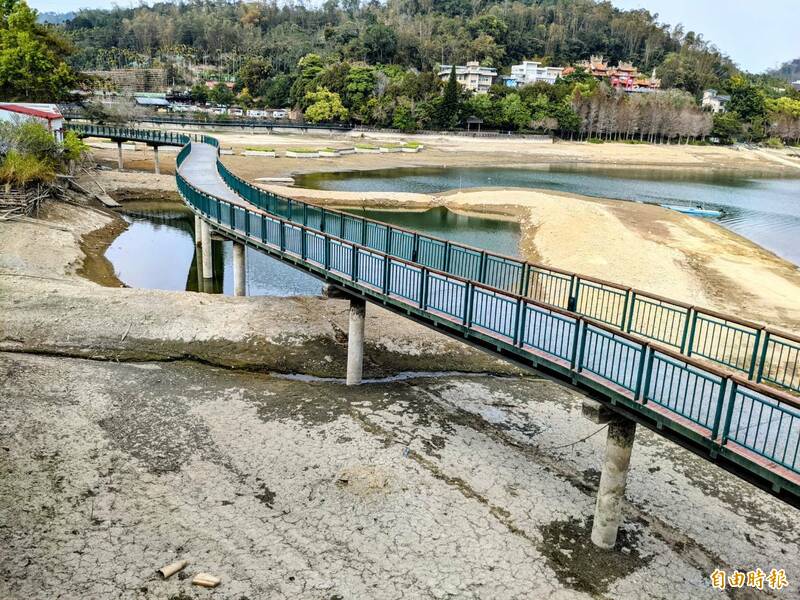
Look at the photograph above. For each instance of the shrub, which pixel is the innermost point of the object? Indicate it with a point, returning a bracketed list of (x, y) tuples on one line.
[(259, 149), (773, 142), (594, 140), (367, 147), (21, 169), (303, 150), (74, 147)]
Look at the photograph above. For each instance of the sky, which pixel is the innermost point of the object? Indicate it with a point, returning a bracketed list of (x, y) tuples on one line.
[(756, 34)]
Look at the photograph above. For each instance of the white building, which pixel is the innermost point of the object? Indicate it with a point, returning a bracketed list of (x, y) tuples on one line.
[(46, 114), (531, 71), (714, 102), (471, 76)]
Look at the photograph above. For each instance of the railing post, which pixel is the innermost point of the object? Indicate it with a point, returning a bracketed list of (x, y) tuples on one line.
[(624, 318), (574, 287), (364, 233), (423, 288), (686, 324), (326, 253), (646, 351), (519, 323), (648, 375), (415, 248), (354, 266), (582, 351), (388, 248), (726, 427), (465, 302), (282, 238), (387, 273), (723, 386), (763, 360), (525, 274), (754, 356), (633, 310), (303, 243), (446, 257), (482, 268), (322, 220), (575, 342), (690, 342)]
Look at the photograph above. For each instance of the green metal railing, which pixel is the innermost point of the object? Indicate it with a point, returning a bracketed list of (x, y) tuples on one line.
[(751, 424), (762, 354), (693, 331)]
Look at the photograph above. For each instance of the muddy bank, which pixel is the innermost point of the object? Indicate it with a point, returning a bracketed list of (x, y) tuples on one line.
[(428, 488), (47, 307)]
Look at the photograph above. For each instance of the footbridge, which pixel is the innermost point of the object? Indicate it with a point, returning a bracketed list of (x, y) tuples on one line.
[(726, 388)]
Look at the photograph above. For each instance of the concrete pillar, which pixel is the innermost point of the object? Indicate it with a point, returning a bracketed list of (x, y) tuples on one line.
[(120, 164), (355, 341), (156, 166), (198, 230), (608, 510), (239, 270), (208, 265)]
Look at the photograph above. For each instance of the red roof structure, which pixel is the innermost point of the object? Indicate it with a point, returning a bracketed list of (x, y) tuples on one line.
[(31, 111)]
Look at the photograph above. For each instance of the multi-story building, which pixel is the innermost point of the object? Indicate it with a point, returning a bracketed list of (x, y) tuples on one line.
[(531, 71), (713, 101), (471, 76)]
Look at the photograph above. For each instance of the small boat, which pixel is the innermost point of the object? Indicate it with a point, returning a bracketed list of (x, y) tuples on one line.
[(695, 211)]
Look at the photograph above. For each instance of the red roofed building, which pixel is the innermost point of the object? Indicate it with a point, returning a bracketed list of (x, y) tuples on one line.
[(46, 114)]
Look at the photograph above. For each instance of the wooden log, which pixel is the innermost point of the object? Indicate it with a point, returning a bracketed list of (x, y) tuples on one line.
[(206, 580), (172, 568)]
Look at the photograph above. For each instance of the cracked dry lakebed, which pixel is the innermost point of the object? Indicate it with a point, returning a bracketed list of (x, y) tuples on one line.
[(447, 487)]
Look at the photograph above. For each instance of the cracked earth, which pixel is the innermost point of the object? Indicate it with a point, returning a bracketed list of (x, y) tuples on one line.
[(449, 487)]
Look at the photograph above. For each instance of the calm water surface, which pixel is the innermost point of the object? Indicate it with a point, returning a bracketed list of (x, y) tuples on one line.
[(766, 211), (157, 251)]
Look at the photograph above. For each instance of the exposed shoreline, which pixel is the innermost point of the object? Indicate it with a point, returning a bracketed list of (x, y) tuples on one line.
[(676, 256)]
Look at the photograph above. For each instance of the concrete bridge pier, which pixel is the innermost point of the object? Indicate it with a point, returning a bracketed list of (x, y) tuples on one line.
[(239, 269), (208, 264), (120, 163), (198, 231), (355, 341), (156, 165), (613, 479)]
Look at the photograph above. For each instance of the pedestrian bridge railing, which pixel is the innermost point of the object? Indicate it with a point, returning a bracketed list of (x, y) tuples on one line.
[(760, 353), (750, 424), (682, 369)]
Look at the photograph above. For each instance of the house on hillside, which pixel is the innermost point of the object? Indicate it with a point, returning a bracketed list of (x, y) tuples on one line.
[(624, 76), (471, 76), (531, 71), (713, 101), (47, 114)]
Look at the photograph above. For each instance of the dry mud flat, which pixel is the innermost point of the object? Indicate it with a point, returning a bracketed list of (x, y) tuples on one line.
[(455, 487), (462, 486)]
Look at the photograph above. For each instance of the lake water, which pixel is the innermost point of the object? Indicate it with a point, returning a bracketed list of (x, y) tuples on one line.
[(766, 211), (157, 251)]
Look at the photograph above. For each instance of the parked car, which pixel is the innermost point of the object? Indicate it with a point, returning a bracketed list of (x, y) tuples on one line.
[(235, 112)]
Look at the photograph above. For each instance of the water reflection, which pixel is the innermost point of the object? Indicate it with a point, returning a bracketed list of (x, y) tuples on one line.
[(157, 251), (767, 211)]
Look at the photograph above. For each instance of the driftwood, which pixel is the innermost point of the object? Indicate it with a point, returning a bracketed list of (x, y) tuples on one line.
[(22, 202), (172, 568), (206, 580)]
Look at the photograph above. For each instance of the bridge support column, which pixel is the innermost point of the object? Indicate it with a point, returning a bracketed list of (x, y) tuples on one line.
[(198, 231), (120, 164), (208, 264), (156, 166), (608, 510), (239, 270), (355, 341)]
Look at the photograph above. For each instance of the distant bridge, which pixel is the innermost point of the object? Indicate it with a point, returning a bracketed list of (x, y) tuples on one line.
[(723, 387)]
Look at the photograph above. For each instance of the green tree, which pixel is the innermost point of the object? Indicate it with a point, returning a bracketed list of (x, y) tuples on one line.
[(221, 95), (32, 57), (359, 87), (727, 126), (514, 113), (199, 93), (747, 100), (253, 73), (450, 103), (325, 106), (277, 93)]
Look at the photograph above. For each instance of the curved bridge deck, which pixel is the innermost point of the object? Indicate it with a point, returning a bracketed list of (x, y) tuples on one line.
[(693, 375)]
